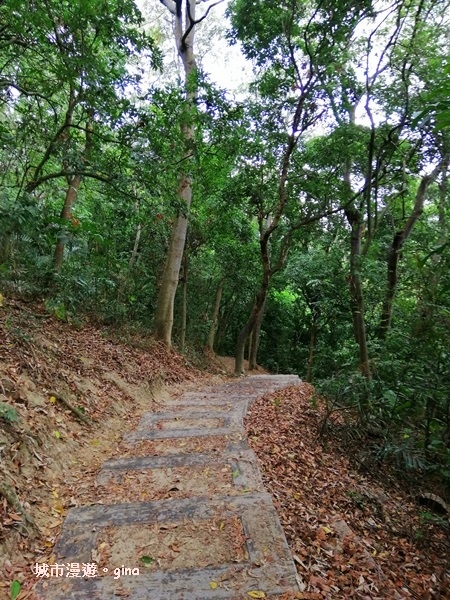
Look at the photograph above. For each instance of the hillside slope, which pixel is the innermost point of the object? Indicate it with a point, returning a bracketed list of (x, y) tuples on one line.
[(67, 395)]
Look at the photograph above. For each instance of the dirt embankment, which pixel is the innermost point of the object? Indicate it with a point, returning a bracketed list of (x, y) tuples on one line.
[(67, 395)]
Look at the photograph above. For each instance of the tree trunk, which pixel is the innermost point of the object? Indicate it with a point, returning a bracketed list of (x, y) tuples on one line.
[(224, 322), (125, 277), (257, 306), (249, 346), (184, 303), (169, 282), (184, 37), (72, 191), (71, 196), (312, 349), (137, 239), (255, 336), (63, 132), (252, 320), (356, 290), (398, 242), (215, 315), (265, 235)]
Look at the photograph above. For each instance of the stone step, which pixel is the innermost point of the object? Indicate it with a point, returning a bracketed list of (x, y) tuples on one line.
[(236, 471), (265, 562), (203, 547)]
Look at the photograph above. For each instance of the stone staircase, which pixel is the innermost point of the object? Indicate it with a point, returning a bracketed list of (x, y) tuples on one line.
[(196, 523)]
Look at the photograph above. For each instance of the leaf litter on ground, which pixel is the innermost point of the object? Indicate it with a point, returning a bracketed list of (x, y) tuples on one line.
[(352, 534)]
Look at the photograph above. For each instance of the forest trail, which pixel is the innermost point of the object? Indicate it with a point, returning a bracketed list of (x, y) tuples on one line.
[(217, 536)]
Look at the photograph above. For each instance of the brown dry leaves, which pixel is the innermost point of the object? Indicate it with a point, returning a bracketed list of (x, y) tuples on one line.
[(351, 537), (169, 546)]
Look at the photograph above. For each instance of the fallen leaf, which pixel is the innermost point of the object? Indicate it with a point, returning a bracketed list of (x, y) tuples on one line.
[(15, 589), (256, 594), (14, 516)]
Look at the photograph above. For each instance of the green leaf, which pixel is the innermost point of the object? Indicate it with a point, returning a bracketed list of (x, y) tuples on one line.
[(390, 396), (147, 560), (15, 589), (8, 413)]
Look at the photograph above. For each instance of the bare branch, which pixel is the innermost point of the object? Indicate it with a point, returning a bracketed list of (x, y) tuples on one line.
[(4, 83), (194, 22), (170, 5)]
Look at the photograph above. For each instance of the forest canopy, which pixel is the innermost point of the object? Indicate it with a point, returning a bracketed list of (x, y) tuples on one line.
[(302, 222)]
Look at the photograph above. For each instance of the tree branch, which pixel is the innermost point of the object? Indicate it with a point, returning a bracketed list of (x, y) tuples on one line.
[(170, 5), (193, 22)]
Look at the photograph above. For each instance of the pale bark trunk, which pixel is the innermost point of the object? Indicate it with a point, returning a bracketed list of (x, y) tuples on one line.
[(184, 37), (169, 282), (184, 303), (137, 239), (124, 278), (215, 315), (398, 242)]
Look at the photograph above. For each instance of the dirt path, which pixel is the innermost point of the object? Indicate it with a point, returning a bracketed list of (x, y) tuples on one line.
[(190, 520)]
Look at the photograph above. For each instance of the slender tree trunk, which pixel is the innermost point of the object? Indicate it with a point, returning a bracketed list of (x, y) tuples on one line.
[(355, 219), (184, 303), (246, 330), (265, 235), (312, 348), (398, 242), (184, 37), (224, 322), (357, 296), (71, 196), (255, 337), (125, 277), (169, 282), (137, 239), (258, 306), (63, 132), (249, 344), (72, 191), (215, 315)]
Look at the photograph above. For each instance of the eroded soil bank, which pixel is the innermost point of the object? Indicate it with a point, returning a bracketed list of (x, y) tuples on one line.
[(67, 396)]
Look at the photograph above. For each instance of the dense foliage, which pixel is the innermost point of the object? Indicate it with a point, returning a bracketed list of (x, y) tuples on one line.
[(318, 230)]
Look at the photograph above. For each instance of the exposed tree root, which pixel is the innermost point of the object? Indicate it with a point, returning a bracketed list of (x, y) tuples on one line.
[(72, 408), (7, 491)]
